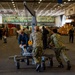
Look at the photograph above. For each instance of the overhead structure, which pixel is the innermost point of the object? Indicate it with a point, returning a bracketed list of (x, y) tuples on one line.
[(42, 7), (44, 1), (32, 12)]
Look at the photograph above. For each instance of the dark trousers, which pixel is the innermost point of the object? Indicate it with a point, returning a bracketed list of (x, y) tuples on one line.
[(0, 37), (71, 38), (44, 43)]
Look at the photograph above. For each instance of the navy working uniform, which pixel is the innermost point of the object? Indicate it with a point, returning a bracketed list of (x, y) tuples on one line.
[(59, 49), (36, 38)]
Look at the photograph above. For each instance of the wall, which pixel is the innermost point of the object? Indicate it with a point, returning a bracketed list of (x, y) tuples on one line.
[(70, 10), (60, 20), (0, 19)]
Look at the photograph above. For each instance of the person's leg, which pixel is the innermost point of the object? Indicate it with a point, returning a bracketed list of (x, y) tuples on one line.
[(69, 38), (37, 57), (43, 63), (44, 43), (63, 54), (22, 53), (57, 54), (38, 63), (5, 40), (72, 38)]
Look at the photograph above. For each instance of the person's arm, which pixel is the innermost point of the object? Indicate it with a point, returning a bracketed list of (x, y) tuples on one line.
[(31, 37), (50, 30)]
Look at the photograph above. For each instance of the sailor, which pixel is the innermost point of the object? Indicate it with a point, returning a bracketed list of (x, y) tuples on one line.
[(59, 49), (36, 38)]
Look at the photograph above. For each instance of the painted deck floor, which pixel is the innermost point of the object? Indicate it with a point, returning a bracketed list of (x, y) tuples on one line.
[(11, 48)]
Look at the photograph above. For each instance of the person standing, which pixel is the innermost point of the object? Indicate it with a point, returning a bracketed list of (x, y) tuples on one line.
[(37, 44), (59, 49), (4, 33), (44, 34), (71, 35)]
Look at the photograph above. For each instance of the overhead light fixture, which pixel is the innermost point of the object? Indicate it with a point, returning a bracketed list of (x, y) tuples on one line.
[(61, 4), (69, 0), (39, 2), (64, 2), (55, 8), (58, 6), (13, 4)]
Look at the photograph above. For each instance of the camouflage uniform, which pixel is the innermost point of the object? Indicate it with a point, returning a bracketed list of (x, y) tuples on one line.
[(59, 48), (36, 38)]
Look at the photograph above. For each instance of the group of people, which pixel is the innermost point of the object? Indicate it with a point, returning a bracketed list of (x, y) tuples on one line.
[(39, 42)]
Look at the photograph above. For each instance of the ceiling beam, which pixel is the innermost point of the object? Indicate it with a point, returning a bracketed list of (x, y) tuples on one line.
[(2, 7), (35, 1)]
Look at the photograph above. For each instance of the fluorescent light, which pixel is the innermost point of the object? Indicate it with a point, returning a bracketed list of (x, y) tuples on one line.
[(58, 6), (69, 0), (40, 0), (64, 2), (62, 5), (12, 2), (14, 6)]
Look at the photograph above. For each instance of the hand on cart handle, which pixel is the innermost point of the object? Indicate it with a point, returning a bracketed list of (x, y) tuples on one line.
[(22, 45)]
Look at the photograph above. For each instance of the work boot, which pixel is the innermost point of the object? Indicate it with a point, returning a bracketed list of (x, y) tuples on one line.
[(61, 65), (68, 65), (38, 67)]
